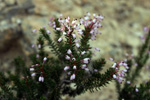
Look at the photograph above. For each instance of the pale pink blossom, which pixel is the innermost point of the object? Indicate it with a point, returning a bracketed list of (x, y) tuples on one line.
[(74, 67), (45, 58), (31, 69), (83, 52), (69, 52), (86, 60), (60, 39), (66, 68), (39, 46), (72, 77), (67, 57), (41, 79), (34, 30), (33, 74)]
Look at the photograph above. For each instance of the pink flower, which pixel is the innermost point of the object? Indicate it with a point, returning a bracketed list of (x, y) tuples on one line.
[(114, 76), (69, 52), (72, 77), (37, 56), (74, 36), (77, 44), (58, 29), (83, 52), (64, 33), (111, 59), (44, 27), (39, 46), (120, 73), (67, 57), (73, 59), (33, 66), (97, 49), (33, 45), (48, 32), (51, 18), (33, 74), (41, 79), (83, 66), (66, 68), (137, 90), (86, 69), (34, 30), (60, 39), (74, 67), (73, 22), (114, 65), (86, 60), (128, 82), (31, 69), (45, 58)]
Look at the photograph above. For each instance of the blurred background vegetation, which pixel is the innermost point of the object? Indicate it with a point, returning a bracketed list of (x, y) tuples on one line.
[(122, 27)]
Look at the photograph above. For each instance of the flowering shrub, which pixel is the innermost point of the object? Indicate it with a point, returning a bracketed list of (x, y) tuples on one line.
[(50, 77)]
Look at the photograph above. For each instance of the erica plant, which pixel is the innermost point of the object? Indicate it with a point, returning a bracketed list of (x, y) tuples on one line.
[(68, 69)]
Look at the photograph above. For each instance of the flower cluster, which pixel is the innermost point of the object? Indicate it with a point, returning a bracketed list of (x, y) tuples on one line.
[(76, 26), (33, 67), (74, 68), (120, 72)]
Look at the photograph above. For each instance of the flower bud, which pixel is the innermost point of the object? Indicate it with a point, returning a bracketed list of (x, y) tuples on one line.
[(86, 60), (69, 52), (37, 65), (128, 82), (72, 77), (74, 67), (73, 59), (86, 69), (34, 30), (114, 76), (60, 39), (73, 22), (82, 53), (137, 90), (67, 57), (41, 79), (48, 32), (74, 36), (94, 20), (114, 65), (33, 66), (33, 74), (83, 66), (45, 58), (58, 29), (33, 46), (64, 33), (39, 46), (77, 44), (97, 49), (37, 56), (111, 59), (66, 68), (31, 69), (86, 17)]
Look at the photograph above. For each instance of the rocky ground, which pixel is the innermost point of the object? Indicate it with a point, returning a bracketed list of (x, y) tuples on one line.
[(122, 26)]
